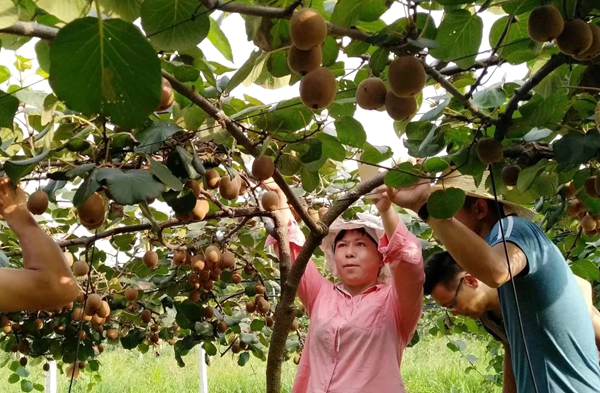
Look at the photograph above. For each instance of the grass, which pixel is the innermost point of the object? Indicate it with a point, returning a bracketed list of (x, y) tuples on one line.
[(428, 367)]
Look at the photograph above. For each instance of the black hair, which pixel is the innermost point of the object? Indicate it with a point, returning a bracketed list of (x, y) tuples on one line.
[(342, 233), (440, 268)]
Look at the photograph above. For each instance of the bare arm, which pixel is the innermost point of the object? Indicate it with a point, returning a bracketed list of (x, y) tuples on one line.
[(509, 384), (46, 281), (586, 290)]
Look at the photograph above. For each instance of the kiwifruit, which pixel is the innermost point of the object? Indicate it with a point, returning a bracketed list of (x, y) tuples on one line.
[(212, 254), (228, 260), (590, 187), (38, 202), (131, 294), (269, 321), (179, 257), (38, 324), (230, 188), (112, 334), (250, 306), (545, 23), (400, 108), (222, 326), (146, 316), (263, 167), (304, 61), (212, 178), (201, 208), (151, 259), (270, 200), (236, 278), (236, 347), (588, 224), (307, 29), (407, 76), (167, 97), (208, 312), (510, 174), (196, 187), (260, 289), (198, 263), (594, 50), (104, 310), (91, 212), (575, 209), (318, 88), (80, 268), (262, 305), (370, 93), (489, 151), (93, 304), (576, 37)]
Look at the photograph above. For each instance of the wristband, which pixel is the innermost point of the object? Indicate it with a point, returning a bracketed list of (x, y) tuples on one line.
[(423, 213)]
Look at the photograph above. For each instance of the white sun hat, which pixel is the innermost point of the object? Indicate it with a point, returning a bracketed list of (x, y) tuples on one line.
[(371, 224)]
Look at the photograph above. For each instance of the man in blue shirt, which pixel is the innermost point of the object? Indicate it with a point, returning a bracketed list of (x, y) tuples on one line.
[(548, 326)]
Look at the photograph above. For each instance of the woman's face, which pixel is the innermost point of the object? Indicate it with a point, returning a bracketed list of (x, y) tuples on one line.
[(357, 260)]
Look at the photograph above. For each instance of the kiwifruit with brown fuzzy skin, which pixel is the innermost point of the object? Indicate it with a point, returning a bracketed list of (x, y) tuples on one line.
[(407, 76), (151, 259), (198, 263), (201, 208), (576, 38), (131, 294), (236, 347), (489, 151), (92, 211), (93, 304), (270, 201), (260, 289), (545, 23), (236, 278), (370, 93), (80, 268), (262, 305), (510, 174), (250, 306), (307, 29), (104, 310), (594, 50), (112, 334), (212, 254), (146, 316), (588, 224), (212, 178), (318, 88), (167, 97), (228, 260), (222, 326), (179, 257), (590, 186), (263, 167), (400, 108), (304, 61), (37, 203), (230, 188), (196, 187)]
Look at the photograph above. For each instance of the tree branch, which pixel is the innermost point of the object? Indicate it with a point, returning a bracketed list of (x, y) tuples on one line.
[(284, 313), (241, 139), (31, 29), (506, 118), (453, 70), (85, 241)]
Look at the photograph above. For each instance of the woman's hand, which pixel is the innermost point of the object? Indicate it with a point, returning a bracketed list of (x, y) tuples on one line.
[(411, 197), (283, 211), (381, 198), (13, 200)]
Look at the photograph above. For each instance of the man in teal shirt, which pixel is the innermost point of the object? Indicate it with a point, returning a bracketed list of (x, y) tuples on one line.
[(554, 351)]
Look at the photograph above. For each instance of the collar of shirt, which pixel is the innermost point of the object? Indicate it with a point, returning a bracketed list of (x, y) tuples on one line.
[(372, 288)]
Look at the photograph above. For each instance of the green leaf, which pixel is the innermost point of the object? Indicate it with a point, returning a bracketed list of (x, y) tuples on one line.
[(131, 186), (310, 180), (586, 269), (133, 338), (435, 165), (4, 74), (183, 205), (8, 108), (16, 169), (13, 378), (345, 13), (165, 176), (379, 59), (86, 189), (243, 72), (444, 204), (174, 25), (375, 154), (491, 97), (8, 14), (42, 52), (403, 175), (574, 148), (257, 325), (115, 63), (128, 10), (330, 51), (517, 7), (210, 348), (65, 10), (458, 38), (545, 112), (243, 359), (516, 47), (26, 386), (153, 138), (528, 175), (332, 148), (219, 40), (350, 132)]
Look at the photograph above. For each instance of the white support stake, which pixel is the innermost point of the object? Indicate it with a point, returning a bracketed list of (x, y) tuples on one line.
[(52, 378), (202, 370)]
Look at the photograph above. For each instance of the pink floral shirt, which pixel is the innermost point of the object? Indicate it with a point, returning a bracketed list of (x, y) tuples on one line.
[(355, 343)]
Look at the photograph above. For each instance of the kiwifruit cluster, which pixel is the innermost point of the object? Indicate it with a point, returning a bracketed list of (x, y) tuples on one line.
[(406, 78), (308, 31), (92, 212), (38, 202), (590, 225), (574, 37)]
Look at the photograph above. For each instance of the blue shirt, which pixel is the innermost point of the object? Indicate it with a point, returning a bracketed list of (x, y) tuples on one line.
[(556, 321)]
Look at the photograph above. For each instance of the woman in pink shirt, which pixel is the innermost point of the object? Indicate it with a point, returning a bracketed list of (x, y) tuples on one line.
[(360, 326)]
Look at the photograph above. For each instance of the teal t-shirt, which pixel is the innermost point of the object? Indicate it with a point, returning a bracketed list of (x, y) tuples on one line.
[(556, 321)]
